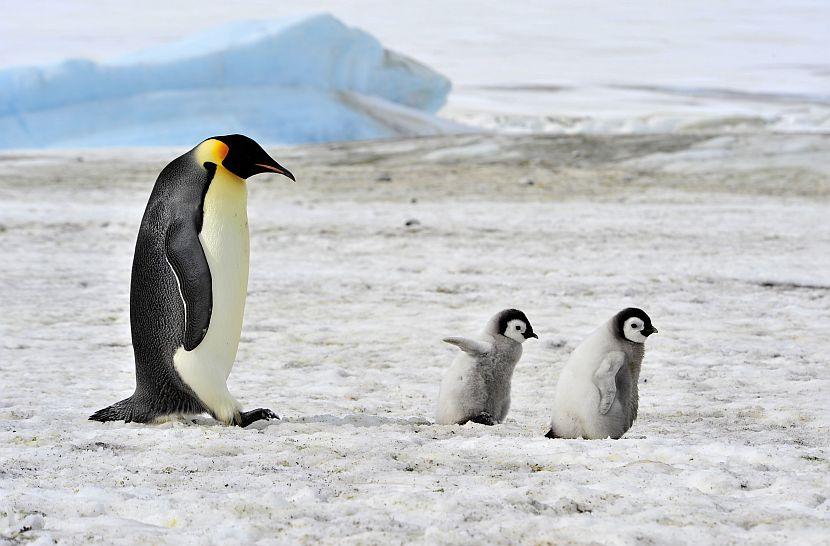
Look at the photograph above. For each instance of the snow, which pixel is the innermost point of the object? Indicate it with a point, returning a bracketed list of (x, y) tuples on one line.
[(291, 80), (342, 337)]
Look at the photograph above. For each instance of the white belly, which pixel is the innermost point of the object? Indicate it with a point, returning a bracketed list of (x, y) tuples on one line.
[(224, 238)]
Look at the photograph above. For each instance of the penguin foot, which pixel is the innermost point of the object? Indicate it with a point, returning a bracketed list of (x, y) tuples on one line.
[(551, 434), (483, 418), (259, 414)]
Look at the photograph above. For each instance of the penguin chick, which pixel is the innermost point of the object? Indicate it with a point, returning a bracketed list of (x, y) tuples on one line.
[(477, 386), (596, 396), (189, 284)]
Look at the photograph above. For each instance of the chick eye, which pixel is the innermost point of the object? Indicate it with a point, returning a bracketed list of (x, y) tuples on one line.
[(518, 327)]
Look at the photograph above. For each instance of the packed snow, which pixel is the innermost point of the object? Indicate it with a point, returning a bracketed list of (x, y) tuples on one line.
[(721, 239), (291, 80)]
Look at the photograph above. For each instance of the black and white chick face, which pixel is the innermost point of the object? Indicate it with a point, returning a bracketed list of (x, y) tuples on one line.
[(514, 324), (634, 325)]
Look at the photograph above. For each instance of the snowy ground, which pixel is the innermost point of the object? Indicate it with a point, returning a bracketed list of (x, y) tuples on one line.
[(723, 240)]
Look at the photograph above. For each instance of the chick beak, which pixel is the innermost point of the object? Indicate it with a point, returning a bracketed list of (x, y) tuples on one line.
[(650, 330), (531, 335)]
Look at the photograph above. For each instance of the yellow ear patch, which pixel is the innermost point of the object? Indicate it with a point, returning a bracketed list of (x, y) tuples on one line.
[(211, 150)]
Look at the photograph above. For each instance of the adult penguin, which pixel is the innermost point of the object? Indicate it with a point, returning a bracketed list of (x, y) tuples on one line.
[(189, 285)]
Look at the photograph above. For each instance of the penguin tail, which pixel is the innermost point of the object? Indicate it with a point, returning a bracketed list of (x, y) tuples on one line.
[(120, 411), (551, 434)]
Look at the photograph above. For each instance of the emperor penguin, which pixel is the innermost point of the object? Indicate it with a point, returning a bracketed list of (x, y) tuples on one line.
[(596, 395), (477, 386), (189, 285)]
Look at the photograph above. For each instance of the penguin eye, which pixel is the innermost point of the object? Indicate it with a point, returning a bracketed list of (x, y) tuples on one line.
[(518, 327)]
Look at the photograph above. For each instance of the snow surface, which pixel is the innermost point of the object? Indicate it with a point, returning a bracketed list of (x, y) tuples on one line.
[(342, 337), (570, 66), (291, 80)]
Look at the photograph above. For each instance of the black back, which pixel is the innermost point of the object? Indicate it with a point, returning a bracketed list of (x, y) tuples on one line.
[(168, 240)]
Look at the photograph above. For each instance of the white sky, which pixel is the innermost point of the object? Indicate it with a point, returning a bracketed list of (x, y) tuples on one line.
[(749, 45)]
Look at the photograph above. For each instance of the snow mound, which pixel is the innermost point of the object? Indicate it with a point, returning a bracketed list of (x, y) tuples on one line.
[(286, 81)]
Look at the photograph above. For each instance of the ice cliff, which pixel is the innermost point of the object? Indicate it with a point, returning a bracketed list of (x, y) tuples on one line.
[(286, 81)]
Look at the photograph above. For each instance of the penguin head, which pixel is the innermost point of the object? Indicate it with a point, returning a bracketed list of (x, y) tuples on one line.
[(634, 325), (240, 155), (512, 323)]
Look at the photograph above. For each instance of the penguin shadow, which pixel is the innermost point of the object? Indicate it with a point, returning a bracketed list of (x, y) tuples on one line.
[(356, 420), (205, 421)]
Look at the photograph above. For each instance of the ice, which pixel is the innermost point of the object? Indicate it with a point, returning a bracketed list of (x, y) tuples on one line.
[(559, 67), (291, 80)]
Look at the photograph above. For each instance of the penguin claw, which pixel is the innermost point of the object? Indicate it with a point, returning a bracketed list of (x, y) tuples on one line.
[(483, 418), (259, 414), (269, 415)]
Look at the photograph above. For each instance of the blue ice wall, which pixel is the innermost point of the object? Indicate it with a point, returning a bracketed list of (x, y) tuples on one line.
[(281, 82)]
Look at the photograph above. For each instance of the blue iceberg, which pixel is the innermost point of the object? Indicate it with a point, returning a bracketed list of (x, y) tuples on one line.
[(289, 81)]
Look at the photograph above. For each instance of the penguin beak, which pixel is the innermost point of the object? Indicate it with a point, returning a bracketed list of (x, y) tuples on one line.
[(275, 167), (649, 330), (531, 335)]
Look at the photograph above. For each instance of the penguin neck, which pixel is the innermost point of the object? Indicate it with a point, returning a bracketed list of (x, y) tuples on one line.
[(227, 193), (225, 207), (510, 351)]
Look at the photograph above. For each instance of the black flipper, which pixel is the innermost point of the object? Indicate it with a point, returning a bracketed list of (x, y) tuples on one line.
[(186, 256)]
